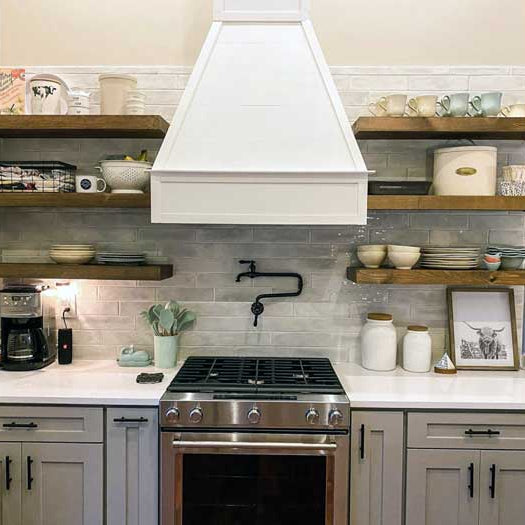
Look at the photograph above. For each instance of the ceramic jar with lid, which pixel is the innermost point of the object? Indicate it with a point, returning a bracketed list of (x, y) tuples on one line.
[(417, 349), (379, 342)]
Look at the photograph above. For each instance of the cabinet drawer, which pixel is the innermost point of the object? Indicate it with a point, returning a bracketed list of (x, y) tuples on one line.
[(466, 430), (51, 424)]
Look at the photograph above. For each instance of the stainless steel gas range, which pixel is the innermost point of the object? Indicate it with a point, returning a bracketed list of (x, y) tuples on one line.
[(253, 441)]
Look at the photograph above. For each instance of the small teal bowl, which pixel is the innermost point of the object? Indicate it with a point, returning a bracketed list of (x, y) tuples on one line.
[(492, 266)]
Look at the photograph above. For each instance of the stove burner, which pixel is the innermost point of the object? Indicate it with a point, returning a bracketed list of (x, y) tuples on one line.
[(252, 375)]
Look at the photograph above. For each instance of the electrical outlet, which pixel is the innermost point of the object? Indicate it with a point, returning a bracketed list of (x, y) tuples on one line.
[(71, 303)]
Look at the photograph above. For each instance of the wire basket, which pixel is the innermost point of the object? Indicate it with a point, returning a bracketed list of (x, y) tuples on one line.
[(38, 176)]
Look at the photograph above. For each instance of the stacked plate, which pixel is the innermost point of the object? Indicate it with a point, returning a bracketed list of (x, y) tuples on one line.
[(132, 258), (450, 257), (72, 253)]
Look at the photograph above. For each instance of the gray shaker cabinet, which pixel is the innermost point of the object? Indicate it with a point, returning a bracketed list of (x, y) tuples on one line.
[(376, 468), (132, 466), (10, 484), (62, 484)]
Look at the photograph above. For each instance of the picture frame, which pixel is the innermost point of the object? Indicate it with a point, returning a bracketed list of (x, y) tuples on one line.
[(482, 328)]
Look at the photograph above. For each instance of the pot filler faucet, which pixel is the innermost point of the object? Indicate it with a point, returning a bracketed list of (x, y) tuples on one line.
[(252, 273)]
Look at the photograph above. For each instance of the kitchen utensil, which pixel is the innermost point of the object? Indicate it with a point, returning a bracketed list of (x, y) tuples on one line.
[(391, 106), (423, 106), (66, 258), (371, 259), (455, 105), (450, 257), (403, 260), (90, 184), (126, 176), (135, 109), (114, 91), (46, 95), (73, 110), (486, 105), (492, 266), (512, 262), (372, 248), (465, 170), (403, 249), (420, 187), (514, 110)]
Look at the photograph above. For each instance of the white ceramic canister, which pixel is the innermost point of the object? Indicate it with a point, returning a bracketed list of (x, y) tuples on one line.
[(417, 349), (379, 343), (114, 91), (46, 96), (465, 170)]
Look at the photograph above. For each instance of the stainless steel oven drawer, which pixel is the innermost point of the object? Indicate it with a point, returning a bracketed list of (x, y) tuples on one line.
[(469, 430)]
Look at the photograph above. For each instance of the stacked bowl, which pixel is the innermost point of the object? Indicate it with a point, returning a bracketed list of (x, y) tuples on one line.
[(512, 257), (72, 253), (371, 255), (403, 257)]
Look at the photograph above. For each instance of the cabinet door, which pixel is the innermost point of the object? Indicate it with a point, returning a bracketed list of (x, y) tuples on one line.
[(442, 487), (376, 468), (132, 466), (10, 484), (62, 484), (502, 488)]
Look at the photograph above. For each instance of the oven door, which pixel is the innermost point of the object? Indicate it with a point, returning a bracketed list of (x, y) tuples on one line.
[(254, 478)]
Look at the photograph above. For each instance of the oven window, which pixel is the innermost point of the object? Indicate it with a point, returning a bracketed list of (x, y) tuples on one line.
[(253, 490)]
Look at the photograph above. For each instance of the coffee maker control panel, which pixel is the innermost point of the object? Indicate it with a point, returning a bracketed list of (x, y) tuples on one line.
[(14, 304)]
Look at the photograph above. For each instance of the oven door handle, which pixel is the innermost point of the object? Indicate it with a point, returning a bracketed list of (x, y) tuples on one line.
[(255, 445)]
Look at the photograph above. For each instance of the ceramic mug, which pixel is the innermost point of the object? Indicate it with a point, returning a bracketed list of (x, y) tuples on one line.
[(46, 97), (90, 184), (455, 105), (423, 106), (486, 105), (391, 106), (514, 110)]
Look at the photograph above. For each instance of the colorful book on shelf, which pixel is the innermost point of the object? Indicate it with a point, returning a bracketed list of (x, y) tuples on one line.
[(12, 91)]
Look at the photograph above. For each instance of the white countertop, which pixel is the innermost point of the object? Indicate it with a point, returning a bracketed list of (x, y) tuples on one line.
[(83, 383), (464, 390)]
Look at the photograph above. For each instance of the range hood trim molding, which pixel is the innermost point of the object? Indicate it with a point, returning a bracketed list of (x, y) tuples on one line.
[(222, 12)]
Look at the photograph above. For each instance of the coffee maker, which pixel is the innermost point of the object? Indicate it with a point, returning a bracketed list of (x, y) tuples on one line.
[(27, 321)]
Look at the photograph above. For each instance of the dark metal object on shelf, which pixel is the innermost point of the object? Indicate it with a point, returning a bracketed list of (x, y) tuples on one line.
[(402, 187)]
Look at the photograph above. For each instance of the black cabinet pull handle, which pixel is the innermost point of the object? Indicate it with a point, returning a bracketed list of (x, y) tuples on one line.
[(20, 425), (471, 480), (362, 442), (492, 485), (8, 477), (130, 420), (29, 473), (487, 432)]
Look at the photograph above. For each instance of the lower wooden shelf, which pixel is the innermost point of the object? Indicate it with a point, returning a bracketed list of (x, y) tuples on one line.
[(75, 200), (147, 272), (451, 277), (445, 202)]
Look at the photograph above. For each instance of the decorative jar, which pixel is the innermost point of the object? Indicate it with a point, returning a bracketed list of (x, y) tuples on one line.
[(379, 343), (417, 349)]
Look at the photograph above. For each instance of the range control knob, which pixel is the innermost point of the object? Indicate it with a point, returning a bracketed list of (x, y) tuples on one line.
[(335, 417), (172, 415), (312, 416), (254, 415), (196, 415)]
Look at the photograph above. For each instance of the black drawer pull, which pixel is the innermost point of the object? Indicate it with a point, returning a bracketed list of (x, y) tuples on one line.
[(471, 480), (362, 442), (130, 420), (492, 486), (8, 477), (20, 425), (488, 432), (29, 473)]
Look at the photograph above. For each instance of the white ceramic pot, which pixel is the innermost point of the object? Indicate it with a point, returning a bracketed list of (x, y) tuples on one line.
[(114, 91), (165, 350), (417, 349), (46, 97), (466, 170), (379, 343)]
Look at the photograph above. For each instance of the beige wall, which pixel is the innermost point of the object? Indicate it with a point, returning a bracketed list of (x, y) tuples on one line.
[(170, 32)]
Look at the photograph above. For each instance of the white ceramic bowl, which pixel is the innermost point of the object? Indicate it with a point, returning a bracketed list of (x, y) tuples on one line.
[(71, 259), (372, 248), (371, 259), (403, 261), (126, 176), (404, 249)]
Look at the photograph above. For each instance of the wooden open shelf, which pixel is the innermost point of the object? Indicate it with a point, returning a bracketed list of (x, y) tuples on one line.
[(495, 128), (149, 272), (450, 277), (434, 202), (76, 200), (83, 126)]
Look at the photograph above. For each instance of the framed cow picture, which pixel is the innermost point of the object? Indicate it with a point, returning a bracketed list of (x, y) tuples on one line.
[(482, 324)]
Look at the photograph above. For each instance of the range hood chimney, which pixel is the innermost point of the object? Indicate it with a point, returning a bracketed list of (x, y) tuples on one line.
[(260, 135)]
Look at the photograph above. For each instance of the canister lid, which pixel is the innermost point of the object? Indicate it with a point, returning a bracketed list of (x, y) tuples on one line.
[(417, 328), (380, 317)]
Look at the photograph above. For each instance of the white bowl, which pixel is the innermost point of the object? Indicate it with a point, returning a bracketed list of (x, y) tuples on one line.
[(126, 176), (403, 261), (71, 259), (409, 249), (372, 248), (371, 259)]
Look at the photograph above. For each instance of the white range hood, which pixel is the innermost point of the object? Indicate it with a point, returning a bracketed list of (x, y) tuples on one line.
[(260, 135)]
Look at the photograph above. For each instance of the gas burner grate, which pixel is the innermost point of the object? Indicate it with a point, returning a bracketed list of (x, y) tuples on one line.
[(250, 374)]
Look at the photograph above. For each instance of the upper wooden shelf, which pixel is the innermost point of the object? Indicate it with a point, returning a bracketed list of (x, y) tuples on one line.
[(83, 126), (148, 272), (450, 277), (434, 202), (75, 200), (495, 128)]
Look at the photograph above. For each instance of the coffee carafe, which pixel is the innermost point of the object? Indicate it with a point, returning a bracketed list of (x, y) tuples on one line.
[(28, 329)]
